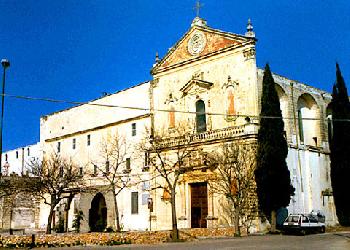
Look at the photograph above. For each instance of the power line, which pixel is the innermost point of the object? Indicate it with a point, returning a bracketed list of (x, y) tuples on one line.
[(30, 98)]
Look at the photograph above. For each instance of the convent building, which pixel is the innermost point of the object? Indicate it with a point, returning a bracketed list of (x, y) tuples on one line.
[(209, 85)]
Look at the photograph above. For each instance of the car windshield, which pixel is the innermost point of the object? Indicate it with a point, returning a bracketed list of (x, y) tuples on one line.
[(293, 218)]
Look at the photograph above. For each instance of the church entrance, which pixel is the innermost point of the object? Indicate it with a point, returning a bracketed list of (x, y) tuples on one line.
[(98, 214), (199, 205)]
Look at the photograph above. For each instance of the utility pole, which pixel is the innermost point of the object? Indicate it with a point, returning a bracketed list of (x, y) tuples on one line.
[(5, 64)]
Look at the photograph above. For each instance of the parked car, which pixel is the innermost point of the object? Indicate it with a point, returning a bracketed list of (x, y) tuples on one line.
[(301, 223)]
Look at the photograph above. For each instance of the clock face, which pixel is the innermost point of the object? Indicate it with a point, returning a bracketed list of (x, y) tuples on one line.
[(196, 43)]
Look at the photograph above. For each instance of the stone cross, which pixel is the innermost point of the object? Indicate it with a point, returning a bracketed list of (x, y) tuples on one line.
[(197, 7)]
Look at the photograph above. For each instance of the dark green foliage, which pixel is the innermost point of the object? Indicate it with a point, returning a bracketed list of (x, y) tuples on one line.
[(272, 175), (78, 217), (340, 149)]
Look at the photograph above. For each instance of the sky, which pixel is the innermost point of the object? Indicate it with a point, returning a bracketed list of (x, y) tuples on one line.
[(77, 49)]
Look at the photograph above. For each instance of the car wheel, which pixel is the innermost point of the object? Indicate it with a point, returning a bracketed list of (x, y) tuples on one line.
[(302, 231), (323, 229)]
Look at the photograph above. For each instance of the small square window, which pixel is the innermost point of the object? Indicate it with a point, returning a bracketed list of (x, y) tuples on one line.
[(28, 151), (16, 154), (6, 157), (88, 140), (133, 129), (74, 143)]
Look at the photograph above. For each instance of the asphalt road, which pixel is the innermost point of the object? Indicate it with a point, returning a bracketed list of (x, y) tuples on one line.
[(329, 241)]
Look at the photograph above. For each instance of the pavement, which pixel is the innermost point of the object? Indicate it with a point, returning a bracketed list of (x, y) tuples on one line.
[(326, 241)]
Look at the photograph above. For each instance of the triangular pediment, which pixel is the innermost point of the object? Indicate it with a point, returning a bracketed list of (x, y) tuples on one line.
[(196, 85), (199, 42)]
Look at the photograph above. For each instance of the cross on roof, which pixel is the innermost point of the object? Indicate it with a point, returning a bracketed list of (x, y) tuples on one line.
[(197, 7)]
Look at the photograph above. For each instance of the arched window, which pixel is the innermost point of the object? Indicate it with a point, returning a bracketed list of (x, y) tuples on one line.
[(201, 122)]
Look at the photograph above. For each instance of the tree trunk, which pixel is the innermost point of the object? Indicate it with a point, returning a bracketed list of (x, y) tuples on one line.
[(237, 227), (116, 211), (11, 215), (175, 231), (49, 220), (273, 221)]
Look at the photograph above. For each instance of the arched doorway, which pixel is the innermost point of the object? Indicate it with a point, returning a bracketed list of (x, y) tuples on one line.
[(98, 214)]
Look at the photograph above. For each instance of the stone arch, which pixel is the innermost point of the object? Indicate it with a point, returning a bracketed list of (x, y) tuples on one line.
[(329, 122), (282, 96), (308, 115), (98, 213)]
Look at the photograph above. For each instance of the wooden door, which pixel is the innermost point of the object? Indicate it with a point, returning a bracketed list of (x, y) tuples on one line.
[(199, 205)]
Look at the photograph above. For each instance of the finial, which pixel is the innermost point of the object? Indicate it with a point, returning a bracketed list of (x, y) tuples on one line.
[(250, 32), (156, 60)]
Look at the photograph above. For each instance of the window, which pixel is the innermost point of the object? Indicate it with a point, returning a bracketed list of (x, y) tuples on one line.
[(146, 185), (58, 147), (107, 167), (88, 140), (16, 154), (147, 160), (74, 143), (127, 164), (61, 172), (6, 157), (134, 202), (201, 123), (81, 171), (133, 129), (305, 219), (95, 170), (28, 151)]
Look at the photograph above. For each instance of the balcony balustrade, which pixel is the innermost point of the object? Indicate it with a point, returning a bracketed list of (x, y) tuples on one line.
[(207, 136)]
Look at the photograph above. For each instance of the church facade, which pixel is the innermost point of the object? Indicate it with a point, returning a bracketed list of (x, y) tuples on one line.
[(208, 85)]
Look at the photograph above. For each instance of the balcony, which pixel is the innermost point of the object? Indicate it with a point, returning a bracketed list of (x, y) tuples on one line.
[(249, 129)]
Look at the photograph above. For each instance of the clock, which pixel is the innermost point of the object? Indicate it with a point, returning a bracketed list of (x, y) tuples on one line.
[(196, 43)]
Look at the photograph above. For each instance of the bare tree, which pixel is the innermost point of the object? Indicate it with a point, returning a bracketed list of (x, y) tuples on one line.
[(233, 177), (169, 158), (116, 168), (57, 179)]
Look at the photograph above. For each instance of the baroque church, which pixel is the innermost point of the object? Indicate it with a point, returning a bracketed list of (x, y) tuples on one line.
[(208, 84)]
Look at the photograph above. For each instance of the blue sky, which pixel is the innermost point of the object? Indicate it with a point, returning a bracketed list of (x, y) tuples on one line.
[(77, 49)]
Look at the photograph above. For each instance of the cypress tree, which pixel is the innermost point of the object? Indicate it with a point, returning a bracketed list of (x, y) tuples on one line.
[(272, 175), (340, 149)]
